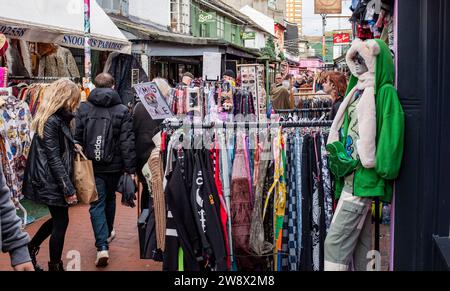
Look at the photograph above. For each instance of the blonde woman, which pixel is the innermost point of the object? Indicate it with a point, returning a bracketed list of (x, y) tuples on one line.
[(49, 167)]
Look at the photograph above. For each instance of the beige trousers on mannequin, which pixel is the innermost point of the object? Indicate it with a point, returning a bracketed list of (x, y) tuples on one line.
[(350, 234)]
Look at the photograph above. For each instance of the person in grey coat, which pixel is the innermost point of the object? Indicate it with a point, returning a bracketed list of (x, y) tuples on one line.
[(12, 239)]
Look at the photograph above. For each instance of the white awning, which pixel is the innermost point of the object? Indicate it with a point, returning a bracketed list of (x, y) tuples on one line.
[(60, 22), (260, 18)]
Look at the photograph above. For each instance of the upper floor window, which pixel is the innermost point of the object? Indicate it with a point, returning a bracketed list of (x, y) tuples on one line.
[(179, 15), (203, 30), (220, 26), (115, 6), (110, 5)]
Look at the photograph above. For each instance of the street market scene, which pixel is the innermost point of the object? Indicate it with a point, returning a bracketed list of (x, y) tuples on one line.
[(224, 135)]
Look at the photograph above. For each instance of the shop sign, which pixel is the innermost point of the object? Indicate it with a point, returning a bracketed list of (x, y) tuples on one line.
[(248, 35), (212, 65), (78, 41), (341, 38), (328, 7), (310, 63), (153, 100), (12, 31), (206, 17), (134, 77), (294, 71)]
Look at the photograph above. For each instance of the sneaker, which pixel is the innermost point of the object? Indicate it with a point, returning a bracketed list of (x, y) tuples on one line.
[(112, 236), (102, 259)]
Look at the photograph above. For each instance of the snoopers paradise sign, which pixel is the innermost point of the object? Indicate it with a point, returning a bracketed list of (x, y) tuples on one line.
[(153, 100), (70, 40)]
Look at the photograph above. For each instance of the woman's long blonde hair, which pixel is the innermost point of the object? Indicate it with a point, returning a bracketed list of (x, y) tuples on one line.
[(60, 94)]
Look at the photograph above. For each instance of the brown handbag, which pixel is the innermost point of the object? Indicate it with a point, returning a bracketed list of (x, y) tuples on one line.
[(84, 180)]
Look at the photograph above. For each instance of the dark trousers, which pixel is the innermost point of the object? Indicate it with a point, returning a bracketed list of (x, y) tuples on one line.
[(145, 197), (56, 228), (103, 211)]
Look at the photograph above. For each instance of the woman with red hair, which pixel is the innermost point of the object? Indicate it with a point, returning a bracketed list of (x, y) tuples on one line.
[(335, 84)]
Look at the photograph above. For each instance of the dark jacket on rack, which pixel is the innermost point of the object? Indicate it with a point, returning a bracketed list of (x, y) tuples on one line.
[(50, 163), (12, 239), (121, 69), (145, 128), (205, 202), (178, 201), (124, 152), (335, 108)]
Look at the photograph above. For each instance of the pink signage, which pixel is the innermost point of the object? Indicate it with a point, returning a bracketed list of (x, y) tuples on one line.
[(311, 63)]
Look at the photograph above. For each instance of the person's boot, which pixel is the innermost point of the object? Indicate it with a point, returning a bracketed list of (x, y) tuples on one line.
[(56, 267), (34, 251)]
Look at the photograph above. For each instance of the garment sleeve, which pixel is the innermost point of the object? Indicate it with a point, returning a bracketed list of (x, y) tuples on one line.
[(391, 134), (13, 240), (127, 144), (27, 139), (135, 120), (53, 152), (72, 65), (79, 126)]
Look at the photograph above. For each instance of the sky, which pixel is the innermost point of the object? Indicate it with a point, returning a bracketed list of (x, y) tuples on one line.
[(312, 23)]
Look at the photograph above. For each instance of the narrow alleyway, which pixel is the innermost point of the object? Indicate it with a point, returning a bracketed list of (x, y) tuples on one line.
[(124, 250)]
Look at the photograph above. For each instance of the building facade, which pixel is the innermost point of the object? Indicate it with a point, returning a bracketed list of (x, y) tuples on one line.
[(211, 22), (294, 13), (171, 38)]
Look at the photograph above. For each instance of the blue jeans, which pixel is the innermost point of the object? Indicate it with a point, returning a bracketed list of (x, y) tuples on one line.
[(103, 210)]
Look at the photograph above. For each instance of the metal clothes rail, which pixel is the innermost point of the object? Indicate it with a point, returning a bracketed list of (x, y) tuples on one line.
[(175, 124)]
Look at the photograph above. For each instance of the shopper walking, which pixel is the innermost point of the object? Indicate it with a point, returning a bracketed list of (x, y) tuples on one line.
[(50, 167), (104, 129), (279, 95)]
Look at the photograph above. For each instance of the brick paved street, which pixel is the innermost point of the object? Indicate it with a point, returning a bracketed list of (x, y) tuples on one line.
[(124, 251)]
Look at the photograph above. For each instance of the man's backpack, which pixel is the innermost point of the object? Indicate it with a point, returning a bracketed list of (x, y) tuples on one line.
[(99, 135)]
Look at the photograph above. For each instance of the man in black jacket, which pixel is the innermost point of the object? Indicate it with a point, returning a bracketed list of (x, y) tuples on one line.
[(114, 154)]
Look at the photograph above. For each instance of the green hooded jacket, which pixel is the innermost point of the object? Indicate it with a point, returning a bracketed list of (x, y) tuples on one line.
[(379, 181)]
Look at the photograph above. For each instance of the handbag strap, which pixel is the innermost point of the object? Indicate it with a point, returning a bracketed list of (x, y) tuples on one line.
[(80, 154)]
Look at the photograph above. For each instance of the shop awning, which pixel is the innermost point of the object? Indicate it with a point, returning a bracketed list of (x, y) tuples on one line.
[(60, 22)]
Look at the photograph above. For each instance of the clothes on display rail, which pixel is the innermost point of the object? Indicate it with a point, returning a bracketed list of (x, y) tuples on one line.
[(373, 21), (213, 99), (122, 67), (33, 90), (15, 141), (235, 204)]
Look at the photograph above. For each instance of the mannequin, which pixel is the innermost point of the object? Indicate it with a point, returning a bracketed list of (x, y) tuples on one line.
[(365, 151)]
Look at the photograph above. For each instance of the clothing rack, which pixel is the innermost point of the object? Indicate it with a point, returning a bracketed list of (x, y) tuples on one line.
[(302, 110), (172, 124), (312, 94)]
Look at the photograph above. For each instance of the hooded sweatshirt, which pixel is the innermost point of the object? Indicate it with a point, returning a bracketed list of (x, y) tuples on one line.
[(12, 238), (123, 137), (380, 122)]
